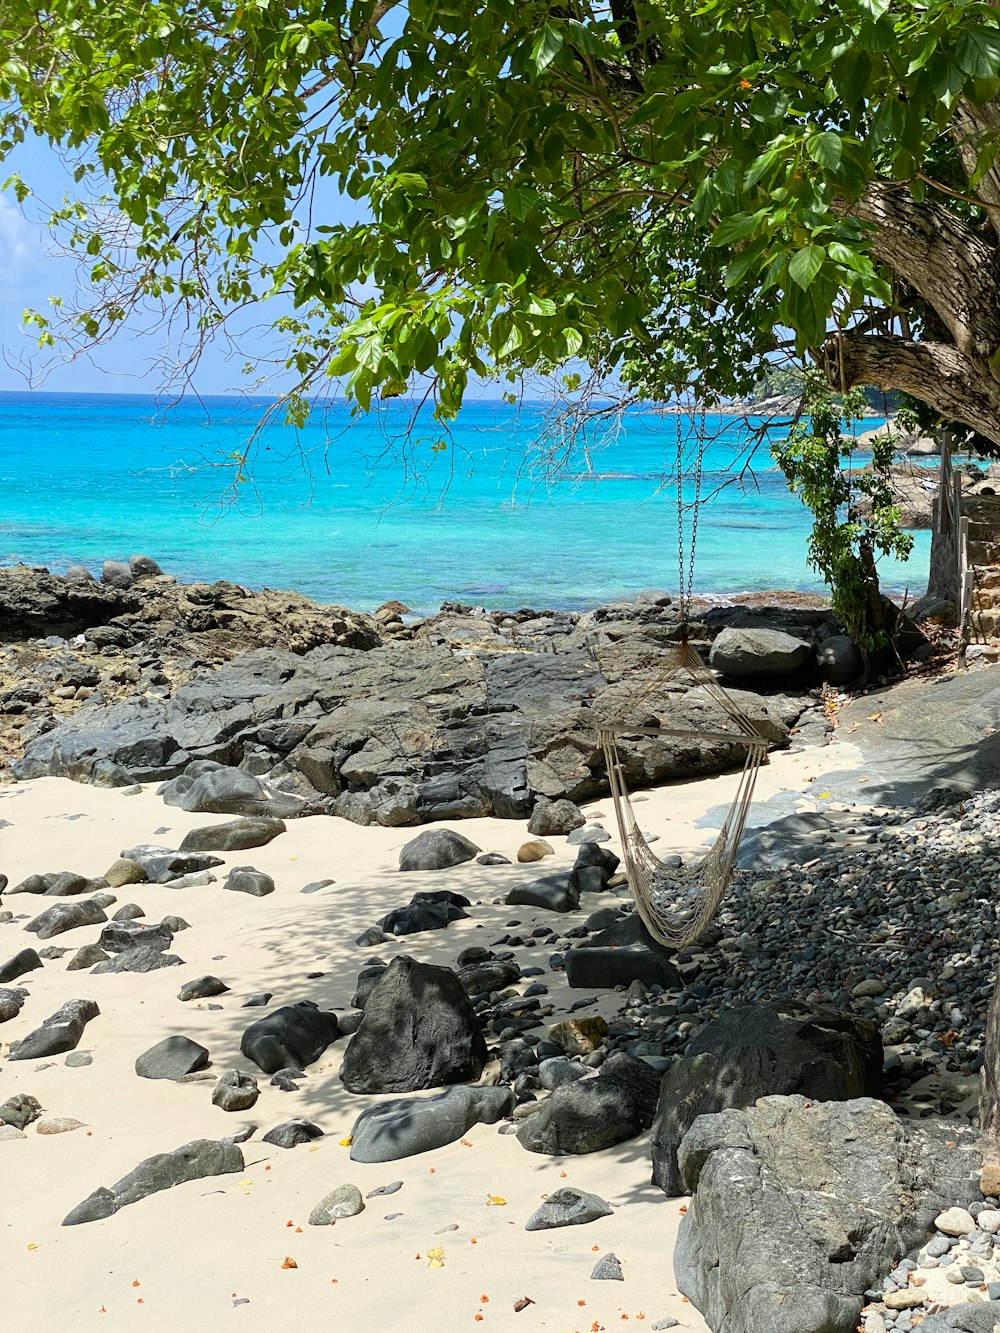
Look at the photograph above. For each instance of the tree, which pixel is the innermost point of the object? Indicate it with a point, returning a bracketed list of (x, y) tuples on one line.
[(661, 190), (855, 515)]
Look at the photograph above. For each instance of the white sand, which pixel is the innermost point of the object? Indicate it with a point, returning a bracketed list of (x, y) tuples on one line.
[(179, 1259)]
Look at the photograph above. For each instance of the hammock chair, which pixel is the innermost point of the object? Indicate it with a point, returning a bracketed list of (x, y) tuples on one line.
[(677, 901)]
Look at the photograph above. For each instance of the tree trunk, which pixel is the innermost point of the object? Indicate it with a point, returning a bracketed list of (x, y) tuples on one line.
[(989, 1082)]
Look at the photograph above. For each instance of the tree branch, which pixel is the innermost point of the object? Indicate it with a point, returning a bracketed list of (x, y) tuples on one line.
[(954, 267), (934, 373)]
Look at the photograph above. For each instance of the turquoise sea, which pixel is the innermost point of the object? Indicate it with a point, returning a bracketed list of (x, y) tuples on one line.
[(341, 512)]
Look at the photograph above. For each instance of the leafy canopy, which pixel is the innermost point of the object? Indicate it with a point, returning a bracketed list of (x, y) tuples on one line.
[(648, 188)]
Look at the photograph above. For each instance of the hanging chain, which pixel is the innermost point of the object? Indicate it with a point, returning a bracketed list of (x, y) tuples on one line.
[(685, 575)]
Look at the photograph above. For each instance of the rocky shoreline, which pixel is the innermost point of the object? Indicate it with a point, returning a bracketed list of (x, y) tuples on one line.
[(805, 1075), (378, 718)]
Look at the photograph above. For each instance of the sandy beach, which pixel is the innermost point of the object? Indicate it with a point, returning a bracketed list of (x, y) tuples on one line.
[(188, 1256)]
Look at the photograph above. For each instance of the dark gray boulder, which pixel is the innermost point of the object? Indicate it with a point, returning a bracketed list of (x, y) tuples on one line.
[(567, 1207), (968, 1318), (25, 960), (229, 791), (235, 836), (492, 974), (235, 1091), (418, 1031), (163, 864), (755, 1051), (425, 911), (410, 1125), (11, 1002), (758, 652), (245, 879), (838, 660), (555, 818), (590, 1114), (87, 956), (291, 1133), (66, 916), (194, 1161), (120, 936), (588, 967), (117, 574), (553, 892), (293, 1036), (140, 959), (171, 1058), (20, 1110), (202, 988), (143, 567), (800, 1207), (128, 912), (59, 884), (368, 979), (607, 1269), (437, 849), (60, 1032)]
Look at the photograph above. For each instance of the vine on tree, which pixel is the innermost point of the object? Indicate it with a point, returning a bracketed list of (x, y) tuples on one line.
[(855, 517)]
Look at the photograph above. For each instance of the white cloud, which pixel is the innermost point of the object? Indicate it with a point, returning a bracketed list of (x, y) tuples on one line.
[(20, 245)]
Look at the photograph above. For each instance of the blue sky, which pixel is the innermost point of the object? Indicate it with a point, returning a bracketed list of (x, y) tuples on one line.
[(31, 272)]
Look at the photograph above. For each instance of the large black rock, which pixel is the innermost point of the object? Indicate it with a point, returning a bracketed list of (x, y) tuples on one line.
[(754, 1052), (800, 1207), (594, 1113), (289, 1038), (418, 1031)]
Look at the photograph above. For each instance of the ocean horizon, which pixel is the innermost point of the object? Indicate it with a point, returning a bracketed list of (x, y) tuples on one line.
[(359, 511)]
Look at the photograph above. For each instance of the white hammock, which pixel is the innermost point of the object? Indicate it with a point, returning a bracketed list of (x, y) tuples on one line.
[(676, 903)]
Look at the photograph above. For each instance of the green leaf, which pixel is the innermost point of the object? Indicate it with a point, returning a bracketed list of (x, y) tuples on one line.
[(734, 228), (547, 46), (825, 149), (805, 264), (978, 52)]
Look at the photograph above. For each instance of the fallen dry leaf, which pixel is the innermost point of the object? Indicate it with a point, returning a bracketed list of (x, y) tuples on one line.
[(495, 1201), (522, 1304), (289, 1262)]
